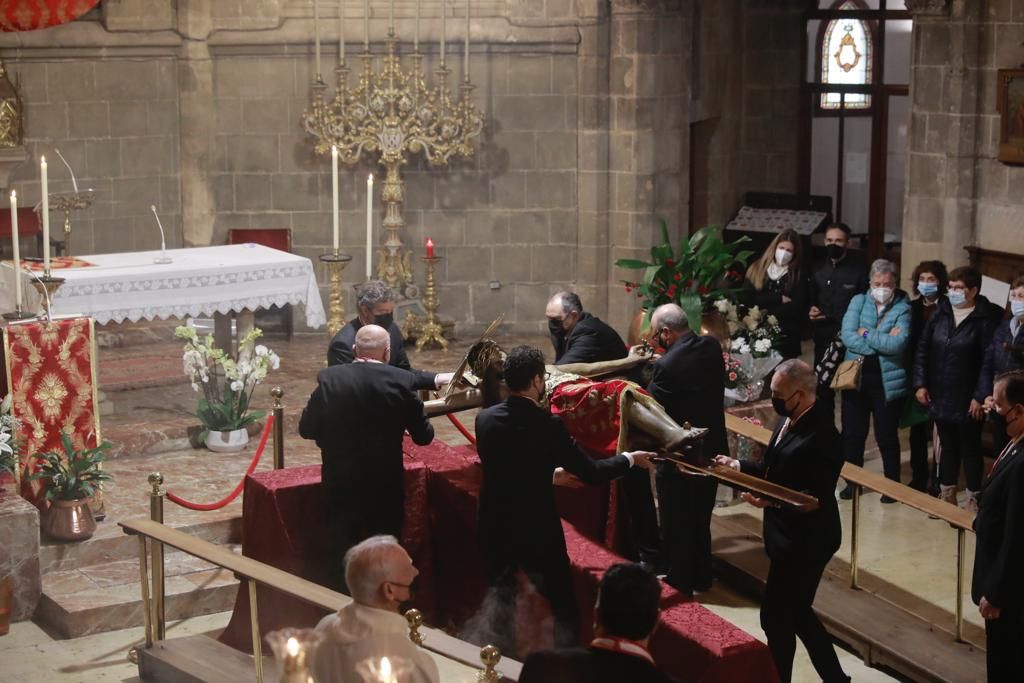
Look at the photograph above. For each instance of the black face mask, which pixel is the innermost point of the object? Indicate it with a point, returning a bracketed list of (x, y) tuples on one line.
[(556, 329), (384, 320), (835, 251), (779, 404)]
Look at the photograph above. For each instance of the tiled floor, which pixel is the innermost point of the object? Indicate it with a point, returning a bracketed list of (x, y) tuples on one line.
[(904, 556)]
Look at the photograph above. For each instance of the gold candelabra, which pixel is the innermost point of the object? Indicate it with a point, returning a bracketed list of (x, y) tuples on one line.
[(394, 114), (430, 330), (336, 263)]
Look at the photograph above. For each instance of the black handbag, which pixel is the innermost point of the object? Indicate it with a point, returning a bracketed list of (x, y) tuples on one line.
[(830, 361)]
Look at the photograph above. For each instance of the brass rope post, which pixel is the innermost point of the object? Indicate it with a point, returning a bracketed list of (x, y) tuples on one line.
[(854, 534), (254, 619), (278, 393), (490, 656), (156, 513), (147, 615), (415, 619), (961, 540)]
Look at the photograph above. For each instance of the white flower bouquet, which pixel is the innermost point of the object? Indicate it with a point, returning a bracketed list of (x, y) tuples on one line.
[(753, 335), (226, 383), (9, 427)]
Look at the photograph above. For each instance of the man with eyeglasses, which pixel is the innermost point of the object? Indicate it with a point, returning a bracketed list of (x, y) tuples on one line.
[(380, 575)]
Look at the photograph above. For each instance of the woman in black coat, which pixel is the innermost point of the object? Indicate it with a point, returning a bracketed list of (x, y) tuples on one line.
[(1006, 352), (928, 284), (947, 379), (779, 287)]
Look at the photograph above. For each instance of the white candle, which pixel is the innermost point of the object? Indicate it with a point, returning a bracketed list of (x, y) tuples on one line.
[(341, 31), (369, 226), (46, 215), (334, 195), (15, 249), (465, 75), (391, 18), (443, 19), (366, 25), (316, 35), (416, 35)]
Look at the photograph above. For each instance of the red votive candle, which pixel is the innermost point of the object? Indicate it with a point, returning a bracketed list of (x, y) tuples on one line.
[(430, 248)]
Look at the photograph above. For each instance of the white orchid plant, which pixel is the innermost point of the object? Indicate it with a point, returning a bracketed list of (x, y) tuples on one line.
[(9, 427), (227, 384)]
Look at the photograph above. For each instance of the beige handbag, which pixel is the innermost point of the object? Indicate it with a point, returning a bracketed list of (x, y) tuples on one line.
[(847, 375)]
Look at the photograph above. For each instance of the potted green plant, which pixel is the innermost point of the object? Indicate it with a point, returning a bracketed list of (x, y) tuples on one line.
[(227, 385), (73, 478), (8, 442)]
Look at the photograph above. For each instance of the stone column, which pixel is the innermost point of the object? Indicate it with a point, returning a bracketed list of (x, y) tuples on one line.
[(195, 91)]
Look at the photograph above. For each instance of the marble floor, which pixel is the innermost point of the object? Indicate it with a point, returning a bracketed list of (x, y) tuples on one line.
[(904, 556)]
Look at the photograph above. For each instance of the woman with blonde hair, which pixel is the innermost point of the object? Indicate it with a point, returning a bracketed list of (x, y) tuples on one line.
[(779, 287)]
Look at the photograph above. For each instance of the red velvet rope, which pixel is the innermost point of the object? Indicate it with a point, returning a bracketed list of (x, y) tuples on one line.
[(462, 428), (267, 428)]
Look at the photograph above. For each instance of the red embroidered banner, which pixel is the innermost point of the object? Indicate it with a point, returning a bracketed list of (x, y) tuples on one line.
[(29, 15), (51, 372)]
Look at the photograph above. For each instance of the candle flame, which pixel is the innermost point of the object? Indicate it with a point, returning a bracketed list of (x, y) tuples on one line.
[(370, 179), (14, 195), (334, 149), (42, 160), (385, 669), (293, 647)]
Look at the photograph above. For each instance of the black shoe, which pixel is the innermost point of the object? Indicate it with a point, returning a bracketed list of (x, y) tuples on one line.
[(887, 500), (847, 493), (918, 485)]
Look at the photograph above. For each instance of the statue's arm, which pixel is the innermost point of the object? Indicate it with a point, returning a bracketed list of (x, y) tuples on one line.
[(605, 367)]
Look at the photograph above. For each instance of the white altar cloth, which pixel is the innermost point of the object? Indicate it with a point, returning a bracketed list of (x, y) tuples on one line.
[(201, 281)]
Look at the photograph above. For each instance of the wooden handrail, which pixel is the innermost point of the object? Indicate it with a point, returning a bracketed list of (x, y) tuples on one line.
[(297, 587), (955, 516)]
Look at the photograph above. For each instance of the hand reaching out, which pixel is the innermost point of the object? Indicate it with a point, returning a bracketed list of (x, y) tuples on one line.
[(727, 461), (754, 500)]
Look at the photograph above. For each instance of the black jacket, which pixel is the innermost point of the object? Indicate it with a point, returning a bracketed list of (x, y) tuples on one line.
[(689, 381), (1005, 352), (792, 316), (588, 665), (590, 341), (948, 359), (358, 414), (520, 445), (999, 526), (808, 458), (831, 287), (919, 315), (340, 352)]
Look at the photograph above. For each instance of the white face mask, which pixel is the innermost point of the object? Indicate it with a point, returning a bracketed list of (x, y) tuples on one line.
[(783, 257), (881, 294)]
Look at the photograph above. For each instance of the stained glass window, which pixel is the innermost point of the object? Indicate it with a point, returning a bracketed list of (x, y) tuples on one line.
[(846, 54)]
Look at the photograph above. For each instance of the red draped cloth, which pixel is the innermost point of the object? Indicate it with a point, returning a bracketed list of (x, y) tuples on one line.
[(29, 15), (51, 373)]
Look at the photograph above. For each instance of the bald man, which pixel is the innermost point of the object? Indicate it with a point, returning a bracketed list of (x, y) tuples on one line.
[(357, 415)]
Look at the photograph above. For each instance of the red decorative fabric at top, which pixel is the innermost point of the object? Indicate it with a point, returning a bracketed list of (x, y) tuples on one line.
[(29, 15), (51, 376)]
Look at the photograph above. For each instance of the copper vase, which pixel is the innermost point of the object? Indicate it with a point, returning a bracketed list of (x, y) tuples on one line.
[(69, 520), (6, 604)]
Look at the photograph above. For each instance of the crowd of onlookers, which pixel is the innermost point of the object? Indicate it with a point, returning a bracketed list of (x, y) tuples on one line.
[(928, 353)]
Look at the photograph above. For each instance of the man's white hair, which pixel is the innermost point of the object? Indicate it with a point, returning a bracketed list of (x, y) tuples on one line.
[(371, 340), (798, 374), (368, 565)]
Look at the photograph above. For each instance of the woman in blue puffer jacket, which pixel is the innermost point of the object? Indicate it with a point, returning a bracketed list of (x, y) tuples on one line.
[(876, 329)]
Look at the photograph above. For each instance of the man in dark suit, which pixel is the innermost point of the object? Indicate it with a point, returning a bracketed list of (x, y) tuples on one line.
[(804, 454), (579, 337), (520, 445), (997, 587), (688, 381), (358, 414), (375, 305), (625, 614)]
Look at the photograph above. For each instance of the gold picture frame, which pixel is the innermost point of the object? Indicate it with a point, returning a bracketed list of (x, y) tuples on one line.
[(1011, 116)]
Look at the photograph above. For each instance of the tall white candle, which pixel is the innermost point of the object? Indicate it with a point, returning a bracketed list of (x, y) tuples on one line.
[(391, 18), (46, 214), (369, 226), (334, 195), (443, 20), (316, 35), (15, 249), (341, 31), (416, 34), (366, 25), (465, 65)]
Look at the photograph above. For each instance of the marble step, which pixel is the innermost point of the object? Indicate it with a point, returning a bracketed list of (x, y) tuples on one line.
[(173, 434), (107, 597)]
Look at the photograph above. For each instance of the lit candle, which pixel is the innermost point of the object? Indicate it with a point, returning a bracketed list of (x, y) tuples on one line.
[(316, 35), (443, 19), (334, 195), (369, 226), (46, 215), (384, 674), (366, 25), (15, 249), (341, 31), (465, 76), (416, 35), (430, 248)]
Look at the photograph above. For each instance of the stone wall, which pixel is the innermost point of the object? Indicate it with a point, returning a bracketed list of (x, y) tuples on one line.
[(958, 193)]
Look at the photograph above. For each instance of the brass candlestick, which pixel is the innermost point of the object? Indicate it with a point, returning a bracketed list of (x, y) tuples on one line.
[(18, 314), (47, 286), (336, 263), (430, 330)]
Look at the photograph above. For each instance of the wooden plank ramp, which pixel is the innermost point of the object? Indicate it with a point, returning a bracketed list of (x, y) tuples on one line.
[(882, 633), (199, 659)]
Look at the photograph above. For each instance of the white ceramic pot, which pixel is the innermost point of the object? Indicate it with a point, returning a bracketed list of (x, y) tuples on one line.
[(227, 442)]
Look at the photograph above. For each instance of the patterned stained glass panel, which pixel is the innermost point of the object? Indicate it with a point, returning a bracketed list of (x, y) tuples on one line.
[(846, 56)]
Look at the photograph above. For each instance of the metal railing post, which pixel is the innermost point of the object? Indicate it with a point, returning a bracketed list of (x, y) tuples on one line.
[(257, 644), (147, 615), (156, 513), (961, 541), (854, 534), (278, 393)]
